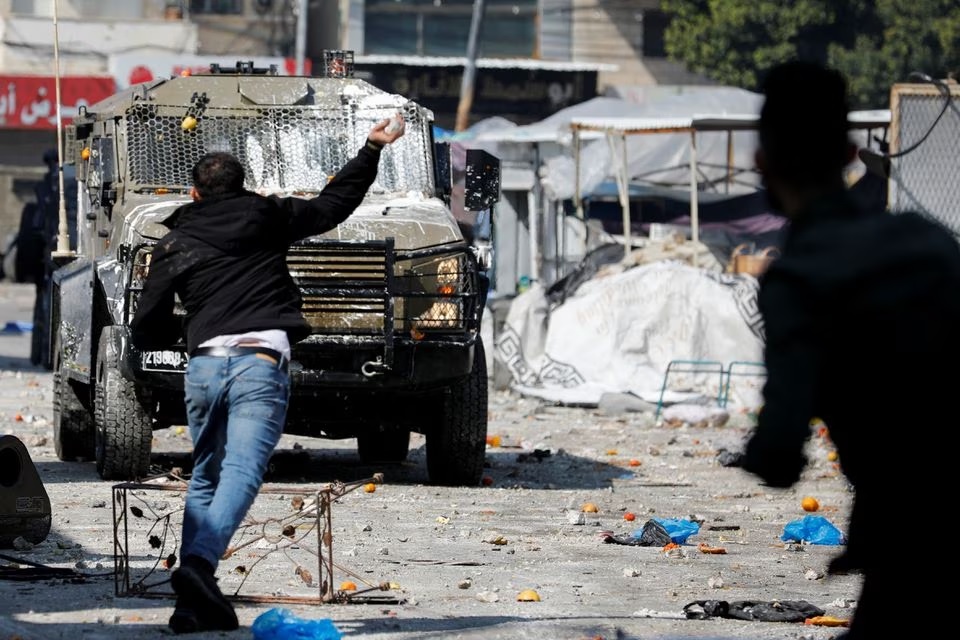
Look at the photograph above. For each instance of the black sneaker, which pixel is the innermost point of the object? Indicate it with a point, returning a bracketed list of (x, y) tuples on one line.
[(197, 590), (184, 619)]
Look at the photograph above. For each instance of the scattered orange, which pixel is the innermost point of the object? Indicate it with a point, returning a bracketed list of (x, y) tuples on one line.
[(833, 456), (634, 462), (486, 481), (369, 487), (810, 504), (85, 153), (348, 586), (493, 441), (528, 595), (827, 621), (629, 517), (611, 452), (189, 123), (589, 507)]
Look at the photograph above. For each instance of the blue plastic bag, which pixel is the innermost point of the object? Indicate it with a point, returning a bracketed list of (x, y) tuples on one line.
[(282, 624), (678, 529), (812, 530)]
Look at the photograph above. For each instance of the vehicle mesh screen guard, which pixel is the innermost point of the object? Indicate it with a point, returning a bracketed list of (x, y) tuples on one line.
[(283, 149)]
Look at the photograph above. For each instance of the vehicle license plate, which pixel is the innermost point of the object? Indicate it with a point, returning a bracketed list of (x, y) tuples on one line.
[(163, 361)]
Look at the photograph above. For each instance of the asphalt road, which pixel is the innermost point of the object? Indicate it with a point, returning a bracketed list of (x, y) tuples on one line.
[(456, 558)]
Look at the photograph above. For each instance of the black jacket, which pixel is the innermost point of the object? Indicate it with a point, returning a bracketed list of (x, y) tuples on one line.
[(226, 259), (862, 315)]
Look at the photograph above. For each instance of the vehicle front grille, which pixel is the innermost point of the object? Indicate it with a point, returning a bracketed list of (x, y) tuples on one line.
[(344, 288)]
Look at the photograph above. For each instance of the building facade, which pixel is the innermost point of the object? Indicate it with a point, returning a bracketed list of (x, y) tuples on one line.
[(537, 56)]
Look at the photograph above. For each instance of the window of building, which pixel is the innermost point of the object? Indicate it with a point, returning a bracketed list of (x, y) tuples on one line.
[(442, 27), (655, 23), (216, 6)]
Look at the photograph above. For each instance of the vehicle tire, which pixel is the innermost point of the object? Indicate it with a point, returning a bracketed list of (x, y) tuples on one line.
[(124, 430), (389, 446), (73, 430), (456, 448)]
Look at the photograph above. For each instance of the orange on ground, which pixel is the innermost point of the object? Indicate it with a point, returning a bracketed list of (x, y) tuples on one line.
[(493, 441), (369, 487), (827, 621), (833, 456), (528, 595), (634, 462), (486, 481), (629, 517), (348, 586), (589, 507), (810, 504)]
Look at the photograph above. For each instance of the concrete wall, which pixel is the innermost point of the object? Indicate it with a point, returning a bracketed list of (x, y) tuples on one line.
[(611, 31), (85, 43)]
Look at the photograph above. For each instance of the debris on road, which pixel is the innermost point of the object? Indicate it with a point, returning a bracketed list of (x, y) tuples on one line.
[(773, 611)]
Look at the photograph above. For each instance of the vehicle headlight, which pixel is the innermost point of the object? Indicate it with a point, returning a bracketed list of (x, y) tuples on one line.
[(139, 270), (434, 291)]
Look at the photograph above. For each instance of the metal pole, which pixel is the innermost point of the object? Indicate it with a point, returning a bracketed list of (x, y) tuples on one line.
[(469, 68), (533, 217), (577, 199), (620, 173), (301, 41), (694, 204), (63, 231), (729, 159)]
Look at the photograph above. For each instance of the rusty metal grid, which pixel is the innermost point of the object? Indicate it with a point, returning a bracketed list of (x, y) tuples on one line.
[(298, 532), (926, 179), (284, 149)]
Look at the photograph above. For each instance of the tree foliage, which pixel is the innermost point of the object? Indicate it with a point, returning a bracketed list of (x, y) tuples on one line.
[(874, 43)]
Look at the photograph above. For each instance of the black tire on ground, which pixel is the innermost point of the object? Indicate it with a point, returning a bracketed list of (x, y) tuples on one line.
[(73, 430), (456, 447), (124, 430), (389, 446)]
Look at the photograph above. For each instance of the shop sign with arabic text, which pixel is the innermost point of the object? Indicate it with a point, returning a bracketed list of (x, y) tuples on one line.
[(28, 102)]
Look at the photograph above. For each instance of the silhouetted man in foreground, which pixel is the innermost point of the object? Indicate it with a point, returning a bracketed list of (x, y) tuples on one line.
[(862, 316)]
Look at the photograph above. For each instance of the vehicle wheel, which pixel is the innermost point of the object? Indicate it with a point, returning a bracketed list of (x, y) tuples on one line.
[(73, 430), (389, 446), (456, 448), (124, 430)]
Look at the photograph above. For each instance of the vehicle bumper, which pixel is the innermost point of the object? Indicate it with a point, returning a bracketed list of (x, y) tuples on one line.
[(327, 362)]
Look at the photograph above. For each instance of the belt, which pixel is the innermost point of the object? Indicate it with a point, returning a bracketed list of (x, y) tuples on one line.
[(232, 352)]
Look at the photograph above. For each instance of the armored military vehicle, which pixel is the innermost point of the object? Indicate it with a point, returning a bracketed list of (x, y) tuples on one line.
[(394, 295)]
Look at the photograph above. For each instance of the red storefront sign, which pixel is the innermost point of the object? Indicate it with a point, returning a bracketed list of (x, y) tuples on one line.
[(29, 102)]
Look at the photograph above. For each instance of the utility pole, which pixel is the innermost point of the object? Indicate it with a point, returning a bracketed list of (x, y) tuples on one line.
[(469, 68), (63, 231), (301, 41)]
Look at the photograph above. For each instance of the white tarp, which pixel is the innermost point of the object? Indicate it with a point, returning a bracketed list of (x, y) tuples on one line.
[(617, 334)]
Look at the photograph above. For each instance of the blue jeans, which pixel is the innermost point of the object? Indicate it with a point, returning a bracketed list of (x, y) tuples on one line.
[(236, 409)]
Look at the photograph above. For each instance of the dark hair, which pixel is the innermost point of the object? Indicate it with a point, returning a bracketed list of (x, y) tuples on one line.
[(803, 123), (218, 174)]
